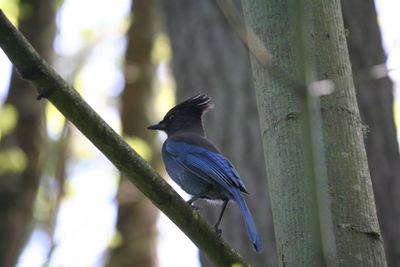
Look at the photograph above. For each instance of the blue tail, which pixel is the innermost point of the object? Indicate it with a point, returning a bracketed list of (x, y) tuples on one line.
[(251, 227)]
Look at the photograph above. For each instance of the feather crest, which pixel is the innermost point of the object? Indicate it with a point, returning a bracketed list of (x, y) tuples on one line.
[(198, 104)]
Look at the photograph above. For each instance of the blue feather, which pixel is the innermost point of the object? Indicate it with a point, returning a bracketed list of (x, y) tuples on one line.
[(196, 169)]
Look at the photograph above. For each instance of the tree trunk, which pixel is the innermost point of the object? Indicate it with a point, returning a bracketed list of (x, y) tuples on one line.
[(375, 99), (18, 187), (208, 57), (307, 43), (137, 216)]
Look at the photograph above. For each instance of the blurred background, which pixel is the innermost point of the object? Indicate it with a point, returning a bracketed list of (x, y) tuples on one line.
[(63, 204)]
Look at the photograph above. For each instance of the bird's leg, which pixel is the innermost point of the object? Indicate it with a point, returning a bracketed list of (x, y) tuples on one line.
[(219, 231), (193, 199), (196, 197)]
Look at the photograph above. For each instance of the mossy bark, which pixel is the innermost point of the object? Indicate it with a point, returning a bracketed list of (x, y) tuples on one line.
[(375, 99)]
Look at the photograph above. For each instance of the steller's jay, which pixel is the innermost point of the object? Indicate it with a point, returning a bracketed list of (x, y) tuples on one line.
[(196, 164)]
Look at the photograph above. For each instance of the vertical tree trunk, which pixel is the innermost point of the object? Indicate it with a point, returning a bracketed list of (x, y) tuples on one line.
[(18, 188), (375, 99), (301, 232), (208, 57), (137, 216)]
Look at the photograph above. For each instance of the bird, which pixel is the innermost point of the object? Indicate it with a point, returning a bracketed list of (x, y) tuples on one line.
[(197, 165)]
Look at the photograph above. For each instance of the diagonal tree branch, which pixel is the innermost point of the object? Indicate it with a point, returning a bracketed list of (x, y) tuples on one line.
[(50, 85)]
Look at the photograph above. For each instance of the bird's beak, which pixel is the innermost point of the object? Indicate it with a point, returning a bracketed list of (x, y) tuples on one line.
[(158, 126)]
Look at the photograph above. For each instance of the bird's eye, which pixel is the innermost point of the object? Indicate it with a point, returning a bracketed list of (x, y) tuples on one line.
[(170, 117)]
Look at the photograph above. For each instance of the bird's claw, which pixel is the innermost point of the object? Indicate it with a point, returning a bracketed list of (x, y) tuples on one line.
[(195, 207), (217, 230), (192, 205)]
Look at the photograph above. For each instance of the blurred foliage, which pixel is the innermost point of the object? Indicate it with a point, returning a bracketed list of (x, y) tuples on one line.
[(161, 49), (116, 241), (58, 3), (396, 110), (55, 122), (165, 83), (44, 203), (140, 146), (69, 189), (25, 10), (10, 7), (165, 99), (9, 118), (12, 161), (91, 36), (124, 26), (79, 82)]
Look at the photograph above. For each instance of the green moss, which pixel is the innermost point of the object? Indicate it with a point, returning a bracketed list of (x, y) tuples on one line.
[(374, 234)]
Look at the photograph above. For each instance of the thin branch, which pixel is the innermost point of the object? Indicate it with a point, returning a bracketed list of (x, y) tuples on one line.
[(50, 85)]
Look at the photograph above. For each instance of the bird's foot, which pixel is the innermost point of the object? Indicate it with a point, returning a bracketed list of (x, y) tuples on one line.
[(195, 207), (217, 230), (192, 205)]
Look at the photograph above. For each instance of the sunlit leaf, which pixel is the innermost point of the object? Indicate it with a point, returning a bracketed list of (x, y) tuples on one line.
[(58, 3), (54, 122), (125, 24), (12, 161), (82, 148), (116, 241), (9, 118), (79, 82), (25, 10), (161, 49), (90, 35), (11, 9), (165, 99), (396, 113), (140, 146), (69, 190), (42, 205)]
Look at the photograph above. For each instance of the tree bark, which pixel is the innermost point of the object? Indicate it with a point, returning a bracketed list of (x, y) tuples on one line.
[(136, 222), (208, 57), (18, 189), (375, 99), (307, 43)]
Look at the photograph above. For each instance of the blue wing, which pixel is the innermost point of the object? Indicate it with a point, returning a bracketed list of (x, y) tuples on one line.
[(214, 169), (205, 164)]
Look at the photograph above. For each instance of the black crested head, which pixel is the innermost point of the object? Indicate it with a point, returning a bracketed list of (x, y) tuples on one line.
[(185, 116), (195, 106)]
